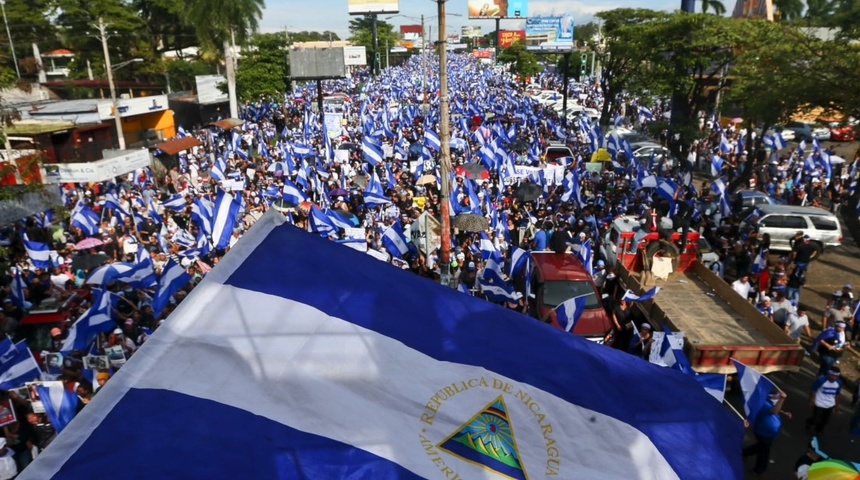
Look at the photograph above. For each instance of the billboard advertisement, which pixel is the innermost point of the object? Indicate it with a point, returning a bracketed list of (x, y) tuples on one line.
[(404, 29), (363, 7), (498, 8), (354, 56), (510, 37), (754, 9), (470, 32), (551, 34)]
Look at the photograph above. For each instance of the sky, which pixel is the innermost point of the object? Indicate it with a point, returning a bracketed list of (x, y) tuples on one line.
[(321, 15)]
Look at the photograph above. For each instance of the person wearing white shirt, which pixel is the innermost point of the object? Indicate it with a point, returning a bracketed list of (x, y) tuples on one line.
[(8, 467), (742, 286)]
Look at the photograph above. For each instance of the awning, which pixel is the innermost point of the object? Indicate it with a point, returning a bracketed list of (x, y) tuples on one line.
[(172, 147), (227, 123)]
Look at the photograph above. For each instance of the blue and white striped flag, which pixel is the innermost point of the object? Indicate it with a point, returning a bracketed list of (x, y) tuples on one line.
[(18, 290), (61, 405), (716, 166), (176, 203), (173, 278), (570, 311), (519, 260), (364, 366), (39, 253), (17, 365), (496, 289), (672, 353), (394, 240), (431, 139), (755, 387), (292, 193), (224, 218), (629, 296), (714, 384), (97, 319), (372, 151), (142, 274)]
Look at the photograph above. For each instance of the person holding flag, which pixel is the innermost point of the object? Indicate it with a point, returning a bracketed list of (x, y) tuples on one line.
[(766, 426)]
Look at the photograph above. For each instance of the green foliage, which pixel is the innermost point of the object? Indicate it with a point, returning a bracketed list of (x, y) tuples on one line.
[(523, 62), (361, 34), (182, 73), (262, 71), (715, 5), (305, 36), (165, 24), (585, 33), (217, 21), (789, 10)]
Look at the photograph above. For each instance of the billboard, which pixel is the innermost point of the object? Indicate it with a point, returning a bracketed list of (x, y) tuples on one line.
[(404, 29), (317, 63), (364, 7), (208, 91), (551, 34), (754, 9), (354, 56), (510, 37), (453, 38), (470, 31), (498, 8)]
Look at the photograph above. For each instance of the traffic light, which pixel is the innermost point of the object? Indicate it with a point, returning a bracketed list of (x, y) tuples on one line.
[(584, 62)]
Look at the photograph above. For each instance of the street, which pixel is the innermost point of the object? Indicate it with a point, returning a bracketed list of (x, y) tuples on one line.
[(834, 269)]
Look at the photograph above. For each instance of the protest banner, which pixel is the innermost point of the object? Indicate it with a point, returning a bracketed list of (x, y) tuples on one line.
[(7, 413)]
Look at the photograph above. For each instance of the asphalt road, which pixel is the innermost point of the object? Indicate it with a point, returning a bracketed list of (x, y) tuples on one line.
[(834, 269)]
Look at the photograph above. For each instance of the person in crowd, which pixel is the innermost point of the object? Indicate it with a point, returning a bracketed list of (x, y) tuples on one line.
[(766, 426), (823, 400), (797, 324)]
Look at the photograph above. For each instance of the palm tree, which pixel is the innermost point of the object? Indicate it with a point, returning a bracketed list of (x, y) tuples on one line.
[(819, 10), (217, 21), (715, 5), (789, 9)]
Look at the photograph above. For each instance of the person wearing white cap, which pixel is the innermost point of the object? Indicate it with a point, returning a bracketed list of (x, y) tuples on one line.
[(766, 426), (824, 399)]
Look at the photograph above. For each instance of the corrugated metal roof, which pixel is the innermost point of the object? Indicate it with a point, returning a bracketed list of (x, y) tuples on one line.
[(31, 127)]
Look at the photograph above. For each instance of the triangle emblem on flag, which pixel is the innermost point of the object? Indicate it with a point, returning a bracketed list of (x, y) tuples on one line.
[(487, 439)]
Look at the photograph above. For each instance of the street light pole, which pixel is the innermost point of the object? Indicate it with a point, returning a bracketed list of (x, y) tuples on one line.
[(424, 85), (117, 120), (9, 36), (445, 157)]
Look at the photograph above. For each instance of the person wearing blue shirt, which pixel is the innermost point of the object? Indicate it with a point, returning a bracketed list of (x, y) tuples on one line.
[(542, 238), (766, 426)]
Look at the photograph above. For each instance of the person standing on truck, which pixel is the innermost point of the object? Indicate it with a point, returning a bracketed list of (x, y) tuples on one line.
[(541, 240), (766, 426), (742, 286), (823, 400)]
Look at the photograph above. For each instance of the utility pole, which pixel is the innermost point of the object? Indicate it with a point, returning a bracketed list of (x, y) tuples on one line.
[(9, 36), (445, 157), (387, 49), (376, 57), (230, 64), (424, 80), (103, 36)]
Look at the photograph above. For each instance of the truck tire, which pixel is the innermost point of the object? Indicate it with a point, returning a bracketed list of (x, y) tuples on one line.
[(662, 248)]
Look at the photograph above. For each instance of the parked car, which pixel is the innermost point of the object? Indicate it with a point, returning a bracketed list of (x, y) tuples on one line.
[(555, 151), (753, 198), (782, 222), (644, 151), (808, 131), (841, 131)]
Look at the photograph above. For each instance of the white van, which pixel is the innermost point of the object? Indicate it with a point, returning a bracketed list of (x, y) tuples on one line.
[(782, 222)]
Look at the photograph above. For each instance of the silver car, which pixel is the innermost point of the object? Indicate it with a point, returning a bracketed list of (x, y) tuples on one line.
[(782, 222)]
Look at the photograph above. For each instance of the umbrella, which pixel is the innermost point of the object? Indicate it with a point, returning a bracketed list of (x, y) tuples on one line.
[(359, 181), (88, 261), (338, 192), (737, 120), (347, 146), (601, 155), (349, 216), (528, 192), (282, 205), (106, 273), (470, 222), (88, 243), (833, 470), (518, 146), (426, 180), (474, 169)]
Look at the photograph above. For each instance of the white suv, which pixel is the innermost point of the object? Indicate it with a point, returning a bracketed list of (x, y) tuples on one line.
[(782, 222)]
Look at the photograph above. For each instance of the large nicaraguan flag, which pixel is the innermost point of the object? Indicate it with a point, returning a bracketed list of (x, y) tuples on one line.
[(310, 364)]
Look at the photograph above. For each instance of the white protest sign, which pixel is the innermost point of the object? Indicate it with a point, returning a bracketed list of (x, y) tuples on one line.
[(426, 233), (379, 255), (333, 123)]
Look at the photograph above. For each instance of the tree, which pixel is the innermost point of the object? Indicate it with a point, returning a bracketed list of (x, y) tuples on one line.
[(523, 62), (361, 33), (585, 33), (819, 11), (624, 52), (29, 22), (262, 73), (219, 21), (166, 25), (715, 5), (181, 73), (789, 10)]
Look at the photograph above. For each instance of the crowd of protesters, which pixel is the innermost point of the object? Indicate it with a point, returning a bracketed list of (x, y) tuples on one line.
[(377, 169)]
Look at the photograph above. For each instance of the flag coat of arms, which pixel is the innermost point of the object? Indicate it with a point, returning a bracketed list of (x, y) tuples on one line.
[(293, 358)]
